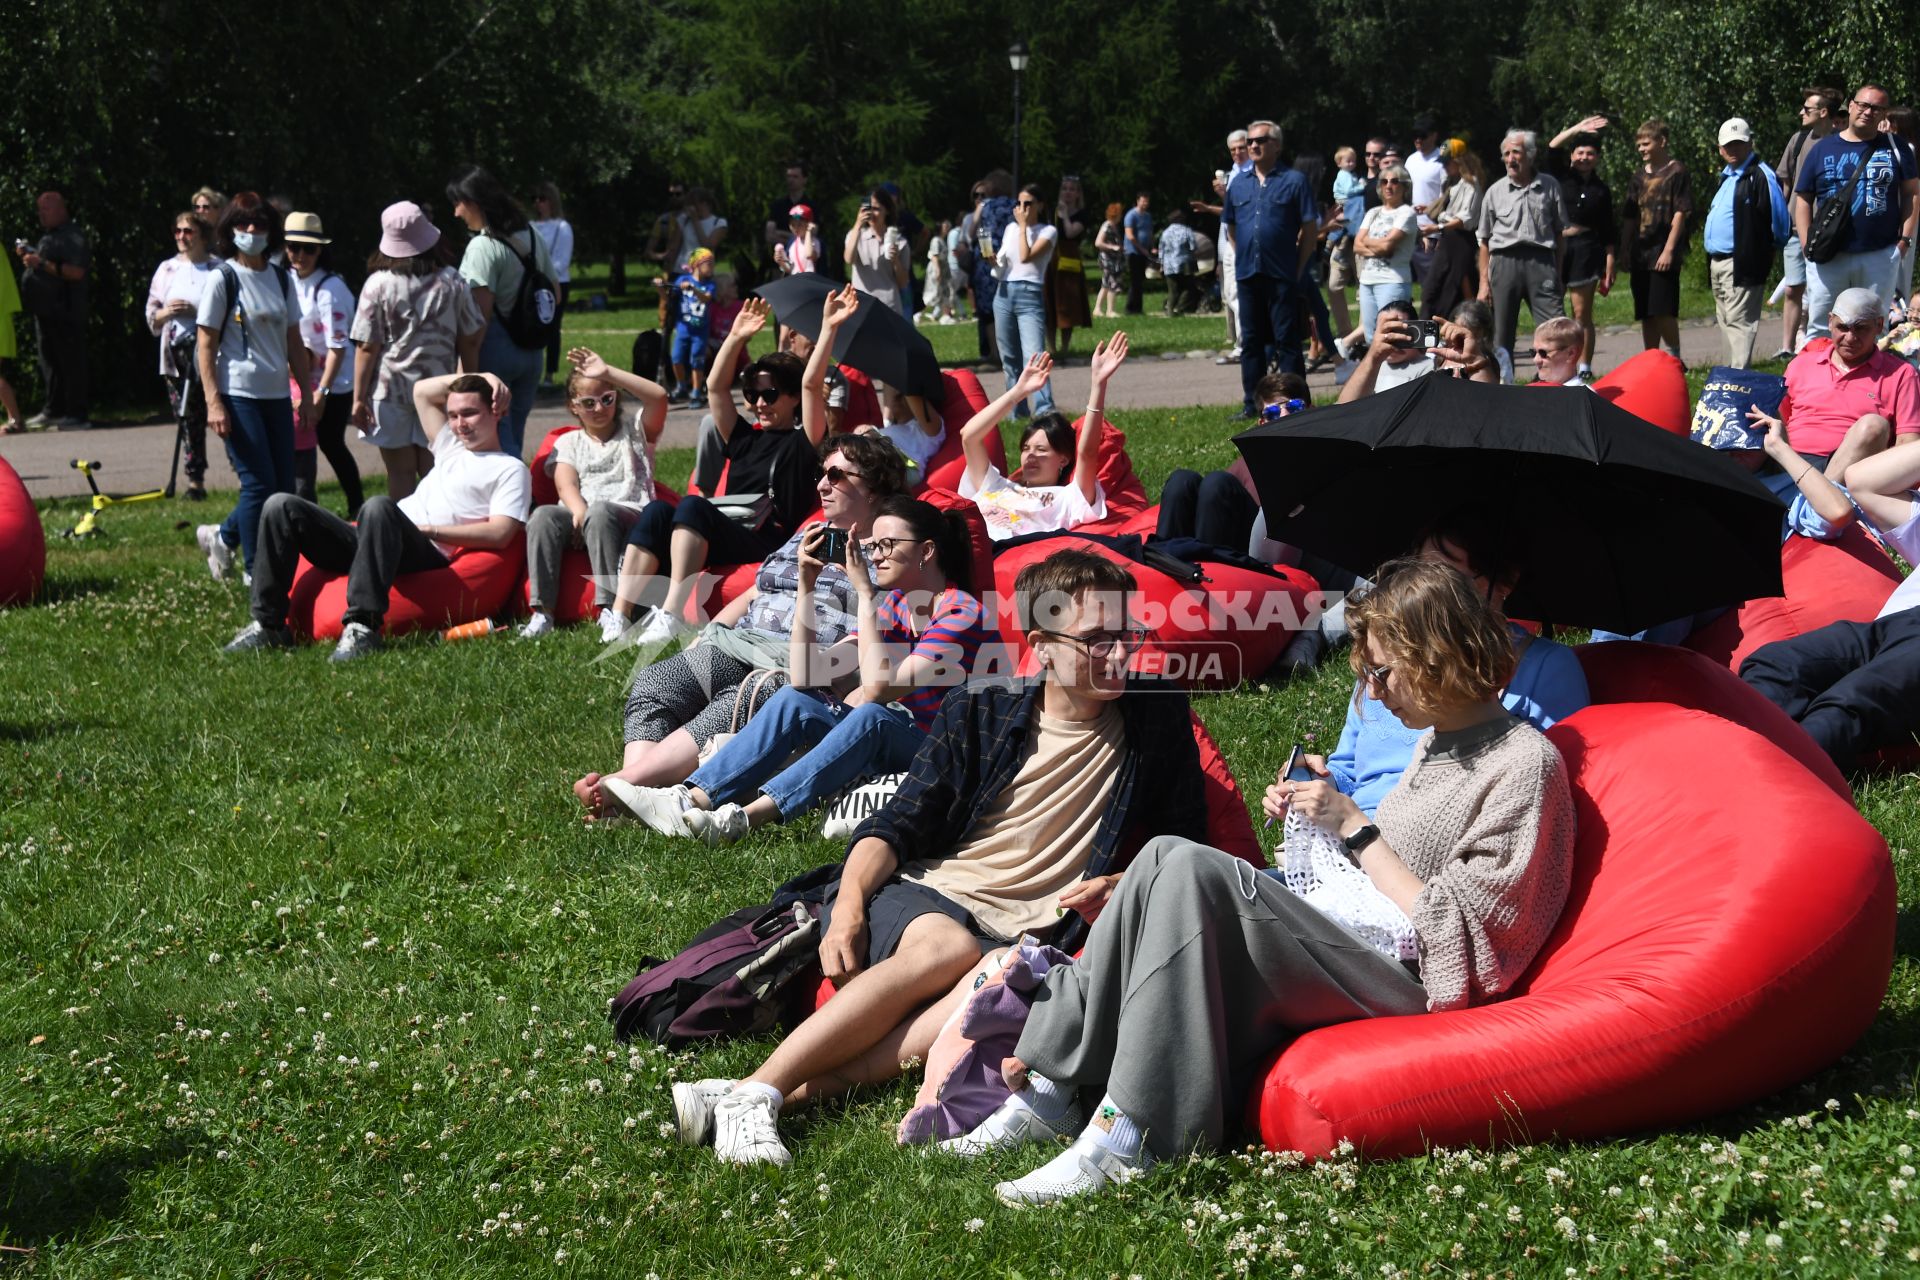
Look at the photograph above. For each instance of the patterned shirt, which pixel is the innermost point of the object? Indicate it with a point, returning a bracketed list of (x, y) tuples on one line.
[(836, 609), (417, 322)]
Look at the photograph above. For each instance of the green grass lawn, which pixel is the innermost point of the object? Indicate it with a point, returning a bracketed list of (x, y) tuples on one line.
[(307, 969)]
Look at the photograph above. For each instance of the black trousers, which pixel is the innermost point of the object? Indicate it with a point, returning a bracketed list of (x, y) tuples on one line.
[(1854, 686), (63, 364), (1267, 321), (1215, 509), (1136, 281), (373, 555), (332, 433), (728, 541)]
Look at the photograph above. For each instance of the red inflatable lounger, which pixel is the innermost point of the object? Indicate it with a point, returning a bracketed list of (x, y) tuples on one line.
[(24, 565), (1825, 582), (965, 398), (1673, 988), (575, 603), (476, 584)]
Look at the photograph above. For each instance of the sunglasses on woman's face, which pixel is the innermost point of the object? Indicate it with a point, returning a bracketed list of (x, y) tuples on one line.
[(603, 401), (188, 232), (762, 395), (839, 475), (202, 206), (302, 249)]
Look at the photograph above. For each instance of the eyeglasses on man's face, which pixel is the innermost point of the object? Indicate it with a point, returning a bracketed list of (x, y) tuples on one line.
[(1103, 644)]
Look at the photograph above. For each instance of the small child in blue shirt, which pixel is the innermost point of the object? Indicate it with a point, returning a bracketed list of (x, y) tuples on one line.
[(1349, 192), (689, 350)]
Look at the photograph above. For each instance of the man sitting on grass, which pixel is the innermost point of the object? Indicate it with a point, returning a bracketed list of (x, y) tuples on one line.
[(475, 496), (1010, 817)]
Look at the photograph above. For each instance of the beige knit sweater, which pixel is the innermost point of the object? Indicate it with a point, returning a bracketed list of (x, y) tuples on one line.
[(1484, 816)]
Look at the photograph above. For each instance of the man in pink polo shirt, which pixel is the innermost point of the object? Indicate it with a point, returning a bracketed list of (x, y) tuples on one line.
[(1850, 384)]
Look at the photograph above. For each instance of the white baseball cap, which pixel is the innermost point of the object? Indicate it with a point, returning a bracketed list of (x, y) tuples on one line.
[(1735, 130)]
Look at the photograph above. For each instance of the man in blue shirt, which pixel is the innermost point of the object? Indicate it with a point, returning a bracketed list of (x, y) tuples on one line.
[(1139, 232), (1745, 224), (1883, 206), (1275, 228)]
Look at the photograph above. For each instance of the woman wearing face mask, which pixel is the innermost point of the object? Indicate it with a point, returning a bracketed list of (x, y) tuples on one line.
[(774, 453), (1057, 486), (879, 259), (173, 300), (249, 343), (326, 321), (1019, 300), (676, 706), (918, 632), (504, 243)]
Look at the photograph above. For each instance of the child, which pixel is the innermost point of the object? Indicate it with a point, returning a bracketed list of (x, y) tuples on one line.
[(726, 305), (689, 351)]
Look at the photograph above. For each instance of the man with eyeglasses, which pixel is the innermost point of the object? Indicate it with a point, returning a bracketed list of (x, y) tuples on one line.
[(1275, 225), (1850, 386), (1521, 244), (1817, 108), (1881, 211), (53, 290)]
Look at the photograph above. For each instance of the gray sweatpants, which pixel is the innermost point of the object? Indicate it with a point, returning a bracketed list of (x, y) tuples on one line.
[(1196, 971), (1516, 275), (550, 533)]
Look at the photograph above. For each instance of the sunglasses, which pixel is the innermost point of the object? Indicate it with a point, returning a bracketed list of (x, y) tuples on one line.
[(605, 400), (881, 548), (249, 226), (1542, 353), (294, 246), (761, 394), (839, 475), (1103, 644), (1275, 412), (184, 231), (203, 207), (1260, 141), (1390, 182), (1376, 676), (1375, 155)]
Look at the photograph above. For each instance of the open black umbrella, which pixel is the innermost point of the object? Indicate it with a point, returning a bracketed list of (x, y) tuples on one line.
[(878, 341), (1624, 525)]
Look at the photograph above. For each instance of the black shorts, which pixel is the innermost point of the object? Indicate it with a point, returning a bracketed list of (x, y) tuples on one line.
[(1655, 293), (1586, 261), (898, 904)]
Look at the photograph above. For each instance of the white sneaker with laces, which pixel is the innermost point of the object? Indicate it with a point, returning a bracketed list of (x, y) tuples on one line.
[(612, 626), (718, 827), (219, 555), (1012, 1124), (1083, 1168), (357, 640), (746, 1130), (536, 626), (662, 808), (660, 627), (693, 1104)]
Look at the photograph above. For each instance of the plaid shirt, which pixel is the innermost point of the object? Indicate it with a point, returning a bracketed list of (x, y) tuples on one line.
[(976, 747)]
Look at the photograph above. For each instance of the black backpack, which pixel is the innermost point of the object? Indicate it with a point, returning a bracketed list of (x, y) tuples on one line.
[(534, 319)]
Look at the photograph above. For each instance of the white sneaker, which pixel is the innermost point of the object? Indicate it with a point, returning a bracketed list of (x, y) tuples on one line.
[(357, 640), (718, 827), (219, 555), (660, 627), (1012, 1124), (1081, 1169), (538, 625), (693, 1104), (746, 1130), (662, 808), (612, 626)]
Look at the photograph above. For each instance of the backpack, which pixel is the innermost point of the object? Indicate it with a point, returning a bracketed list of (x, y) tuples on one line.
[(235, 309), (648, 350), (534, 320)]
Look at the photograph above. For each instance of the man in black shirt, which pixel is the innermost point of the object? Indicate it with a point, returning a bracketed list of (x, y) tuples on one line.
[(1818, 118)]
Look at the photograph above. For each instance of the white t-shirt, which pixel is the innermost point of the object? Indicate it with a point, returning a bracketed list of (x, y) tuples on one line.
[(326, 324), (693, 235), (1381, 221), (1428, 174), (252, 360), (1399, 375), (1905, 538), (1034, 269), (618, 469), (177, 280), (558, 233), (1011, 510), (465, 487), (909, 439)]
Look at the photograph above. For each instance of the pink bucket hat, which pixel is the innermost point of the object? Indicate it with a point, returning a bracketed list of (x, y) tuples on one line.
[(405, 231)]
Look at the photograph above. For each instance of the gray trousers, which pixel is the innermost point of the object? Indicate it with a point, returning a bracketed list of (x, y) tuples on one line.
[(1198, 969), (550, 533), (709, 456), (1519, 275), (1736, 310)]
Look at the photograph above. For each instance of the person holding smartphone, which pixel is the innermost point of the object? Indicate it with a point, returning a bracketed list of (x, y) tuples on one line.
[(879, 259)]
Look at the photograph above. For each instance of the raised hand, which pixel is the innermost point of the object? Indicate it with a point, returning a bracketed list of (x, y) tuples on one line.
[(753, 317), (1592, 124), (1035, 375), (1109, 356), (840, 307), (588, 362)]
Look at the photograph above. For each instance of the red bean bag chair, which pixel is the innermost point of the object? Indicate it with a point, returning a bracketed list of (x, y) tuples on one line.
[(1210, 635), (1652, 386), (1633, 671), (1825, 582), (1729, 932), (965, 398), (863, 402), (475, 584), (575, 602), (24, 565)]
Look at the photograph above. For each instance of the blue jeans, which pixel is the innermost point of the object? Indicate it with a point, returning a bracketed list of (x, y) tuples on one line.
[(260, 447), (1375, 296), (1020, 327), (843, 745), (520, 369)]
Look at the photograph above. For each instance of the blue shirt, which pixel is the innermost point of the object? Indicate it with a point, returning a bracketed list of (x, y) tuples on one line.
[(1876, 200), (1720, 213), (695, 296), (1548, 685), (1177, 244), (1140, 222), (1266, 218), (1350, 193)]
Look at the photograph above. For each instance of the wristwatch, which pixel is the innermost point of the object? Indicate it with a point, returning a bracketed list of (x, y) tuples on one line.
[(1360, 839)]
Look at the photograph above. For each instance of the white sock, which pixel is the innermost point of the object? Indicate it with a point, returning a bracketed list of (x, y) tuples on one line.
[(1048, 1099), (754, 1086), (1112, 1129)]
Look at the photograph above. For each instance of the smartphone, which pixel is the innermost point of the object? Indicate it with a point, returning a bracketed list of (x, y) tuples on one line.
[(1297, 770), (833, 545), (1426, 335)]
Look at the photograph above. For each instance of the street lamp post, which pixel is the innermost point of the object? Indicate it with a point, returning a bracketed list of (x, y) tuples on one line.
[(1017, 59)]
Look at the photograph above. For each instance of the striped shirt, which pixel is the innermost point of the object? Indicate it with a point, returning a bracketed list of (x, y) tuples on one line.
[(952, 639)]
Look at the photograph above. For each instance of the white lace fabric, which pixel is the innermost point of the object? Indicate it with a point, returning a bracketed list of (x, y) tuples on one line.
[(1315, 865)]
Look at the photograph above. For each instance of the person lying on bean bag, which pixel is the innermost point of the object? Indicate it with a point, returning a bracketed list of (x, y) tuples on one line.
[(476, 495), (1200, 967), (1057, 486)]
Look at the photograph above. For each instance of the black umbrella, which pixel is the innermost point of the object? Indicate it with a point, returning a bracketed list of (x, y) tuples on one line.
[(878, 341), (1624, 525)]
